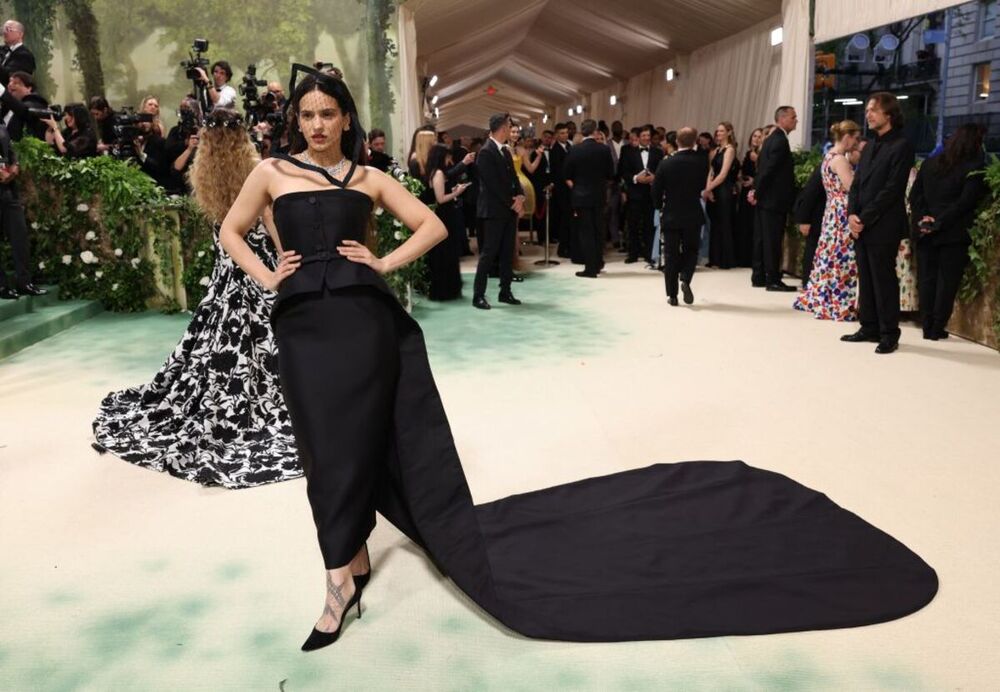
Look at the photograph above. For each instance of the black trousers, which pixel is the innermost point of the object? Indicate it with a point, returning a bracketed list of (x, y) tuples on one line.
[(559, 219), (16, 229), (338, 364), (588, 227), (809, 253), (939, 275), (878, 289), (681, 247), (769, 232), (639, 229), (497, 249)]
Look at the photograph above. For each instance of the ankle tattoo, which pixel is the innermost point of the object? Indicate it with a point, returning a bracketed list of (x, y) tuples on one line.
[(336, 593)]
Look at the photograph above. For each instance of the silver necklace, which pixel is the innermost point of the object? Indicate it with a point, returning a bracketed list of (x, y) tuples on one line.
[(333, 170)]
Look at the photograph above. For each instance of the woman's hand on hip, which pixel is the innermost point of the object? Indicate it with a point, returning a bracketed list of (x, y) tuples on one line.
[(288, 263), (357, 252)]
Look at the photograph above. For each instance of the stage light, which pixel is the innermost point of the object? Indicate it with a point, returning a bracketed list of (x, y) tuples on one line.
[(777, 35), (434, 100), (857, 48), (670, 74), (613, 100), (885, 49), (434, 80), (569, 112), (579, 109)]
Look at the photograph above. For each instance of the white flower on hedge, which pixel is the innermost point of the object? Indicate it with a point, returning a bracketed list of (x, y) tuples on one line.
[(118, 252), (397, 223), (82, 207), (114, 287), (98, 274), (82, 275), (34, 225), (378, 211), (90, 236), (201, 254), (88, 257), (135, 262), (204, 281), (41, 265), (67, 259), (398, 235)]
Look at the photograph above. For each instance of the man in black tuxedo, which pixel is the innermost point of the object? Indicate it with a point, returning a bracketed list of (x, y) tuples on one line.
[(501, 201), (14, 55), (876, 217), (541, 179), (677, 188), (18, 99), (617, 142), (808, 216), (13, 224), (560, 193), (773, 194), (635, 171), (588, 169)]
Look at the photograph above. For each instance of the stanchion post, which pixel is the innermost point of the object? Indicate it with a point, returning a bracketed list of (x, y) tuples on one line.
[(548, 208)]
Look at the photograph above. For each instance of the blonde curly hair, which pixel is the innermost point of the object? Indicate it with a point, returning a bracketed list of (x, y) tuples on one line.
[(224, 159)]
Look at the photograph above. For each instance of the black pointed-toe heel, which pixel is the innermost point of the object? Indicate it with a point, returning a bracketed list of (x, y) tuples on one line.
[(361, 580), (317, 639)]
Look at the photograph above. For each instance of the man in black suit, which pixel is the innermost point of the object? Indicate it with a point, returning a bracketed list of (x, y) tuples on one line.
[(588, 169), (13, 224), (635, 171), (560, 217), (14, 55), (808, 216), (773, 194), (501, 201), (876, 217), (18, 99), (677, 188), (376, 151)]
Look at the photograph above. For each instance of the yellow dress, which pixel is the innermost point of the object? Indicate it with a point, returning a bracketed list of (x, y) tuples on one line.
[(529, 189)]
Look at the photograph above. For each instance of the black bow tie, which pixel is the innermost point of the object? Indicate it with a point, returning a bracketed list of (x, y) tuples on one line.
[(643, 148)]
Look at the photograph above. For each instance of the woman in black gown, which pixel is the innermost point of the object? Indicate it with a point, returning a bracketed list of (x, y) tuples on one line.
[(721, 196), (444, 258), (745, 214), (672, 550)]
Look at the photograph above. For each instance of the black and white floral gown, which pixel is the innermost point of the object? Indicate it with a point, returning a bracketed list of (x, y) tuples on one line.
[(214, 413)]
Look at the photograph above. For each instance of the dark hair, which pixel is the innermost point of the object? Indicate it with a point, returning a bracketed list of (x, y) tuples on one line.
[(99, 103), (587, 127), (635, 130), (707, 135), (560, 126), (436, 160), (441, 135), (889, 105), (81, 117), (571, 123), (225, 68), (617, 124), (352, 142), (750, 138), (671, 138), (781, 110), (965, 144), (548, 132), (603, 127), (498, 120), (24, 77), (375, 134)]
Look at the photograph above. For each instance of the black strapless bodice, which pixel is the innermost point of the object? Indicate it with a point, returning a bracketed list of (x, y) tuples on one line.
[(314, 223)]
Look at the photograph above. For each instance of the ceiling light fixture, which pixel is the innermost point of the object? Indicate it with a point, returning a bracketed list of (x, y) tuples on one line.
[(777, 36), (434, 100), (613, 100), (434, 80), (579, 109), (670, 74)]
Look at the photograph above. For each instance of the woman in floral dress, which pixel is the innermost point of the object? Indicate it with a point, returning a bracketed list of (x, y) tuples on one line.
[(832, 292)]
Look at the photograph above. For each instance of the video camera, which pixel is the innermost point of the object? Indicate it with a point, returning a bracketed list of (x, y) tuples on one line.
[(260, 109), (249, 87), (125, 126), (195, 61), (188, 122), (54, 111)]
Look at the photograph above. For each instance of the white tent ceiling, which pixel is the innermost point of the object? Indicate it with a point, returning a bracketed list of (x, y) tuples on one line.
[(540, 53)]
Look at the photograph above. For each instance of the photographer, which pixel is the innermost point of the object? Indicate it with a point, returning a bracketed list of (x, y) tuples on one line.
[(376, 150), (151, 105), (182, 143), (21, 106), (100, 111), (150, 145), (220, 94), (276, 95), (79, 139), (13, 224)]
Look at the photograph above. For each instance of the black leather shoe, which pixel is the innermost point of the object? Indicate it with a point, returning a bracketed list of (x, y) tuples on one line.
[(758, 283), (8, 294), (587, 275), (481, 303), (860, 336), (631, 260), (509, 299), (31, 290), (942, 334), (781, 287), (886, 346), (672, 300), (688, 295), (930, 335), (517, 278)]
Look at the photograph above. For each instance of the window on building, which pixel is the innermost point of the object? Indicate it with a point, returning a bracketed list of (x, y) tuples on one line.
[(988, 18), (981, 82)]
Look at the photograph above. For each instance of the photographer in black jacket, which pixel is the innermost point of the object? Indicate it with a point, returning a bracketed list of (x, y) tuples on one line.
[(181, 146), (943, 202), (21, 106)]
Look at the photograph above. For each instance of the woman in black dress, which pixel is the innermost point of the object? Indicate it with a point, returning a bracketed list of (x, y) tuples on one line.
[(79, 138), (720, 192), (443, 260), (745, 214), (673, 550)]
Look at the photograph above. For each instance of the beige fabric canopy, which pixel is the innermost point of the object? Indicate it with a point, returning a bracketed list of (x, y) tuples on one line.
[(538, 54)]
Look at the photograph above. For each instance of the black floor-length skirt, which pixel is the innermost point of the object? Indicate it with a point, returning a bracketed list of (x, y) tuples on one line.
[(722, 242), (444, 259), (690, 549)]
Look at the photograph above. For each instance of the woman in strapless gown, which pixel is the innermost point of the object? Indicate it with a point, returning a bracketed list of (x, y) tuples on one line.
[(672, 550)]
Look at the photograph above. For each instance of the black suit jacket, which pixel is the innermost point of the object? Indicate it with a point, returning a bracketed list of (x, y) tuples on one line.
[(22, 122), (630, 164), (775, 181), (878, 194), (557, 164), (498, 184), (7, 190), (543, 174), (380, 160), (677, 188), (811, 202), (951, 198), (590, 166), (21, 60)]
